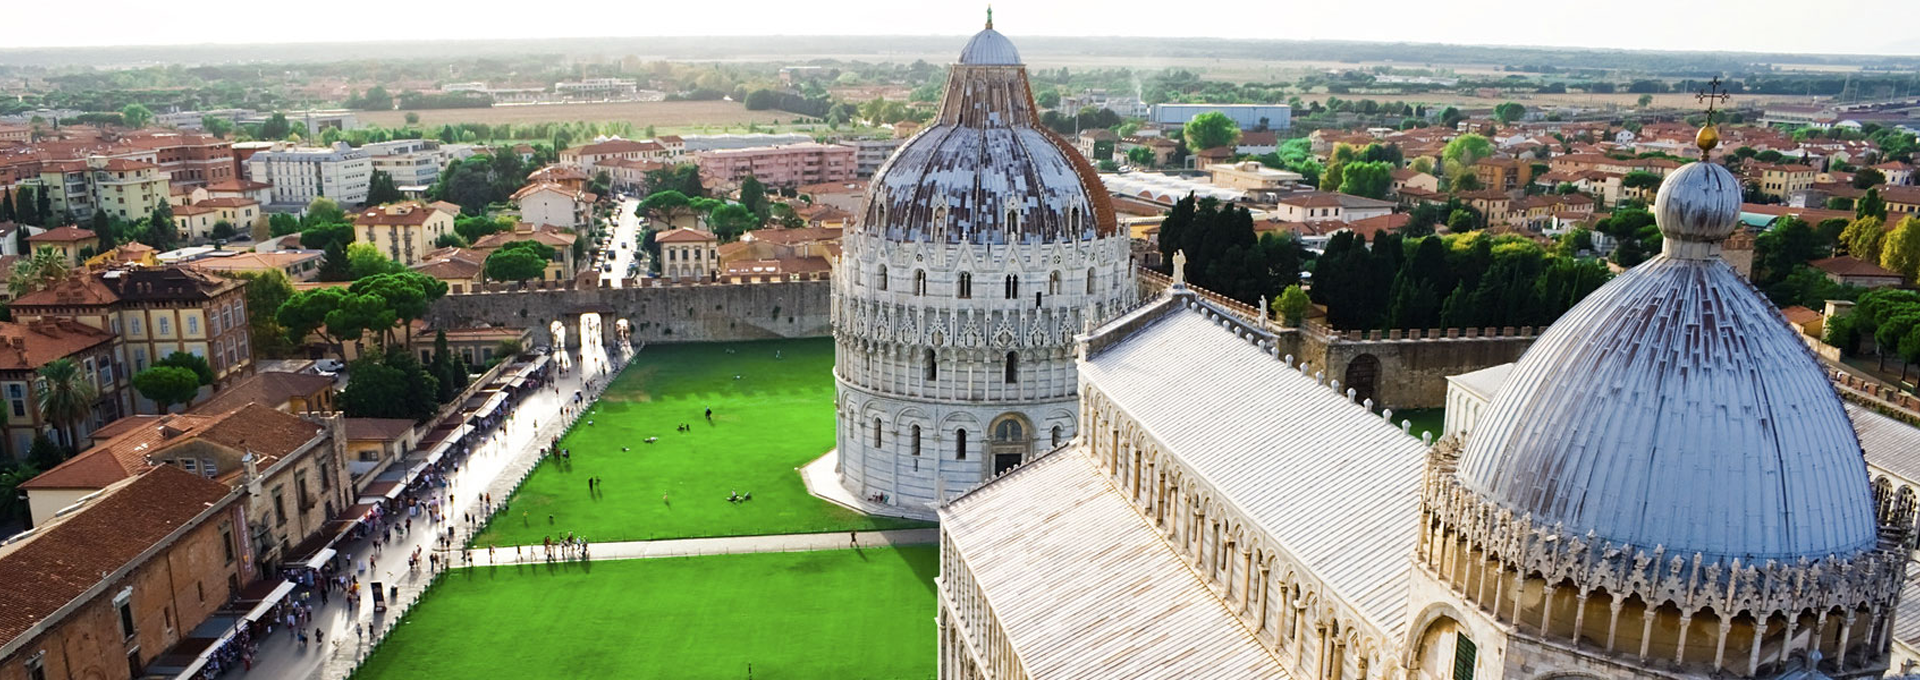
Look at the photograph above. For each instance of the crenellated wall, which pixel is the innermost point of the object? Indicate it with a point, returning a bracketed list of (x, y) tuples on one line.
[(703, 312)]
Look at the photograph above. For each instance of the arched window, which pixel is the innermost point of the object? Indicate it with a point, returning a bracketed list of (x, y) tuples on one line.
[(960, 445), (1090, 279), (876, 433), (1013, 286), (966, 285), (1009, 430), (1013, 222), (919, 282), (1075, 222), (1056, 435), (916, 440), (1013, 368), (933, 365), (1053, 283), (880, 280)]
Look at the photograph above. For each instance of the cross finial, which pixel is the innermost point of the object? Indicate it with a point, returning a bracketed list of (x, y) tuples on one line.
[(1713, 94), (989, 16)]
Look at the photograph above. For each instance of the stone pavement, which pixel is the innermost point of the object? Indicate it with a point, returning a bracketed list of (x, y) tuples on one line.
[(822, 477), (719, 545)]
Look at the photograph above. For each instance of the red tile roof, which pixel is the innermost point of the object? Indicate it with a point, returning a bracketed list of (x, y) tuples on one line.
[(267, 388), (64, 559), (404, 214), (237, 185), (1848, 266), (684, 236), (67, 234), (28, 346)]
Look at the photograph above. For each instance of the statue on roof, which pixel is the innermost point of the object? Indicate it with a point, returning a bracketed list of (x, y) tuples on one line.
[(1179, 268)]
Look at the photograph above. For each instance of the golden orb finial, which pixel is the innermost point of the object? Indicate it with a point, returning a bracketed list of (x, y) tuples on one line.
[(1706, 139)]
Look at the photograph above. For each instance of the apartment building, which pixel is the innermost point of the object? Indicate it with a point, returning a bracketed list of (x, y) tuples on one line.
[(70, 242), (126, 188), (555, 204), (688, 254), (190, 158), (25, 347), (870, 154), (598, 88), (301, 174), (414, 164), (586, 157), (405, 231), (1781, 180), (788, 165), (196, 221)]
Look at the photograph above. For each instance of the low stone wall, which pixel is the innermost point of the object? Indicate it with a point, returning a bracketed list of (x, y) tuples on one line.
[(689, 312)]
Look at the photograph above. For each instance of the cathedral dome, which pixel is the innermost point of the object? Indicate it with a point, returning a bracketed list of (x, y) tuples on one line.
[(1674, 408), (984, 171)]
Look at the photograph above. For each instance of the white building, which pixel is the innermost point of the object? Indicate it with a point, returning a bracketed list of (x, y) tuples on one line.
[(598, 88), (985, 245), (414, 164), (1666, 485), (301, 174), (555, 204), (1247, 116), (870, 154)]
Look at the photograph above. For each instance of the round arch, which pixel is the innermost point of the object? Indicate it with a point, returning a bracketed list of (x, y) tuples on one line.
[(1363, 377)]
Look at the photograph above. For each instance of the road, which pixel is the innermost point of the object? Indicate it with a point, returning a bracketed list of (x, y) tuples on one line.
[(626, 231), (495, 466)]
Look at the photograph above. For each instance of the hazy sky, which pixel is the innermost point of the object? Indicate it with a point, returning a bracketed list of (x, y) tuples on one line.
[(1828, 26)]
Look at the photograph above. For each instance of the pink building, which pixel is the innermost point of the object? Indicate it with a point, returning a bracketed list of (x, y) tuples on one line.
[(787, 165)]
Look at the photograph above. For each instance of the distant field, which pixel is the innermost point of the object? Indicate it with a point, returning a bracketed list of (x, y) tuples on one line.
[(641, 114)]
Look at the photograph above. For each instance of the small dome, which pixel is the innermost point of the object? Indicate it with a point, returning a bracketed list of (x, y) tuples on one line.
[(1698, 203), (1673, 408), (989, 48)]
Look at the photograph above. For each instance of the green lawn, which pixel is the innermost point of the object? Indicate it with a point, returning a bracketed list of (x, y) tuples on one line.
[(1424, 420), (833, 614), (776, 417)]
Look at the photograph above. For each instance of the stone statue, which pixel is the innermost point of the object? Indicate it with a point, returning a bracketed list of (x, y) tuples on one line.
[(1179, 268)]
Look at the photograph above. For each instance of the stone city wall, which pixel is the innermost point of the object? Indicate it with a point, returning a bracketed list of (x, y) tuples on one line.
[(693, 312)]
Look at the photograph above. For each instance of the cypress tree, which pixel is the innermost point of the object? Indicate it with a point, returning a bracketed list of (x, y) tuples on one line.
[(43, 208), (6, 205)]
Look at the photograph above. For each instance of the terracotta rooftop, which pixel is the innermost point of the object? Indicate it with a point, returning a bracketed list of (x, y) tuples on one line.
[(237, 185), (78, 290), (381, 429), (268, 433), (66, 234), (228, 202), (452, 263), (28, 346), (685, 236), (254, 262), (537, 187), (267, 388), (1848, 266), (793, 236), (403, 214), (1800, 316), (67, 557)]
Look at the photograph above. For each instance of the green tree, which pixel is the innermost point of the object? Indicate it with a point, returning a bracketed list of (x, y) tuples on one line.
[(267, 290), (1293, 305), (333, 263), (1900, 251), (753, 195), (44, 453), (217, 126), (136, 116), (730, 221), (13, 504), (1508, 112), (475, 228), (45, 268), (1866, 178), (1870, 205), (202, 371), (305, 314), (1644, 101), (365, 259), (516, 264), (281, 224), (222, 231), (65, 395), (162, 233), (1863, 237), (406, 293), (1369, 179), (1140, 156), (1209, 130), (412, 118), (323, 210), (665, 206), (449, 369), (276, 127), (381, 189)]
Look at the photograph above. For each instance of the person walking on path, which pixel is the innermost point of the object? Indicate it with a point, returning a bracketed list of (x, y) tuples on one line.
[(853, 538)]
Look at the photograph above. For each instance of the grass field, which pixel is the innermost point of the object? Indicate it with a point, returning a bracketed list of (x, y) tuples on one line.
[(834, 614), (641, 114), (775, 418), (1424, 420)]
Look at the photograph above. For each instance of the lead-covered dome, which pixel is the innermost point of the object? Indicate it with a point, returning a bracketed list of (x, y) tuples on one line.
[(984, 171), (1674, 408)]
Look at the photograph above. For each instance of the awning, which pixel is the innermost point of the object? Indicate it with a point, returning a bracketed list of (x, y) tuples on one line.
[(380, 491), (279, 593), (320, 558), (438, 451)]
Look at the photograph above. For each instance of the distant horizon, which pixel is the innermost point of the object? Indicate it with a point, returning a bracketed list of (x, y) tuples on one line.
[(1659, 25)]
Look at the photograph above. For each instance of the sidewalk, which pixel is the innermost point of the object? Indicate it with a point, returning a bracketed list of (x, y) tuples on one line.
[(497, 465), (719, 545)]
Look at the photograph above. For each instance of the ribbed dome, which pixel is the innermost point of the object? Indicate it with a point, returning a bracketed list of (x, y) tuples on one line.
[(1674, 408), (984, 171), (989, 48)]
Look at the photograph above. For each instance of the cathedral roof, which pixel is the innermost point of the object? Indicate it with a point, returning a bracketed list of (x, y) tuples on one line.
[(1265, 436), (1673, 408), (984, 170), (1084, 588)]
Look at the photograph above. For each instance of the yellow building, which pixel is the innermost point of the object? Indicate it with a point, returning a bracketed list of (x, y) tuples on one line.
[(196, 221), (124, 187), (71, 242), (1780, 181), (688, 253), (405, 231)]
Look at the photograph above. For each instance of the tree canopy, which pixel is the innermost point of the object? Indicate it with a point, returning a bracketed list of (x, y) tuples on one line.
[(1209, 130), (167, 385)]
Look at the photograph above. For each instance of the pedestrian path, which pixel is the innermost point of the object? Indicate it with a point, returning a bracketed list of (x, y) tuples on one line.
[(718, 545)]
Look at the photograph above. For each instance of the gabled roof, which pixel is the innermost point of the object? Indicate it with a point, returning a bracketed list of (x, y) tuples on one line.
[(237, 185), (403, 214), (377, 429), (452, 264), (266, 388), (685, 236), (1800, 316), (1845, 265), (269, 434), (65, 558), (551, 187), (66, 234)]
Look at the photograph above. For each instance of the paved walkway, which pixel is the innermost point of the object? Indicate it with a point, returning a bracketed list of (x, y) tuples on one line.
[(822, 477), (720, 545), (496, 465)]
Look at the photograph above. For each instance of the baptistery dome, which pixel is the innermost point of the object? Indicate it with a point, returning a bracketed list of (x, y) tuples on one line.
[(984, 171), (1673, 408)]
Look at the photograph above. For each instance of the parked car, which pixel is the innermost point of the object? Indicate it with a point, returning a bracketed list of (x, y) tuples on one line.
[(329, 366)]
